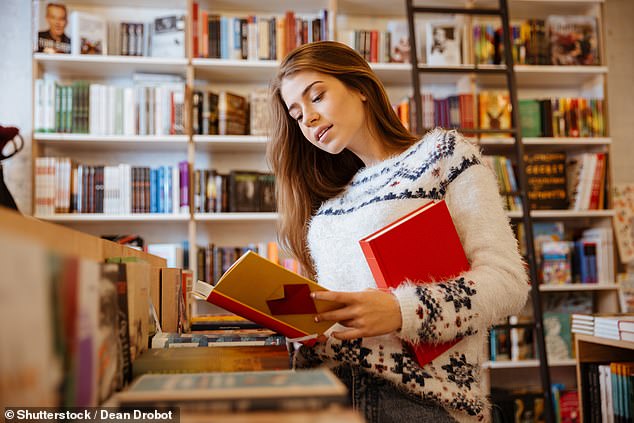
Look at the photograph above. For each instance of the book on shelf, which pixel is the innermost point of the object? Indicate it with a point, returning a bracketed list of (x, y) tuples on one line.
[(219, 338), (168, 37), (281, 302), (573, 40), (556, 262), (623, 199), (546, 179), (88, 34), (282, 390), (63, 186), (254, 37), (494, 110), (607, 390), (400, 46), (444, 43), (422, 246), (51, 25), (211, 359)]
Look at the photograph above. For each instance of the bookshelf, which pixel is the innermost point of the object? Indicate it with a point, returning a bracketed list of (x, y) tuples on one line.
[(593, 349), (533, 82), (247, 152)]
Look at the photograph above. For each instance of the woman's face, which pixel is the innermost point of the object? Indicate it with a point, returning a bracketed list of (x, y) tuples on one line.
[(330, 115)]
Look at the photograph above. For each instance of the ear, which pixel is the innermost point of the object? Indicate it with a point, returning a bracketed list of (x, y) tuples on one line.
[(362, 96)]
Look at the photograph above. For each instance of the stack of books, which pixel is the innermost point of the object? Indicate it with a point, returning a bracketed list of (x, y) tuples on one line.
[(610, 326)]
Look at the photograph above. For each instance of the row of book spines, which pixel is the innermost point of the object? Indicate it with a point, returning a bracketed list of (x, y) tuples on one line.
[(555, 117), (562, 117), (254, 37), (503, 169), (529, 41), (560, 181), (576, 262), (456, 111), (130, 38), (608, 391), (90, 366), (97, 109), (373, 45), (213, 260), (66, 187), (237, 191), (220, 113), (588, 181)]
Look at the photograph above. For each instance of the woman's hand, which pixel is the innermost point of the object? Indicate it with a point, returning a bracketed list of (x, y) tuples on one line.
[(367, 313)]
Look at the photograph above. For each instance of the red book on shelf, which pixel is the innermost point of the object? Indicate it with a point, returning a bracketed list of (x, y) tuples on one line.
[(422, 246)]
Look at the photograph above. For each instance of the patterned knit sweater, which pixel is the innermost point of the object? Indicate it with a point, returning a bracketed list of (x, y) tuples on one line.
[(440, 166)]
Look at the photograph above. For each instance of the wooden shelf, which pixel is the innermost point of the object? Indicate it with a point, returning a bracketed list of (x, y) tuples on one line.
[(113, 142), (568, 287), (236, 217), (542, 143), (594, 349), (564, 214), (100, 217), (526, 364), (89, 66), (585, 356)]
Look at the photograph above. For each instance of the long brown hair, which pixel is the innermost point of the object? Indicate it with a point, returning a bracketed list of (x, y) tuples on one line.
[(305, 175)]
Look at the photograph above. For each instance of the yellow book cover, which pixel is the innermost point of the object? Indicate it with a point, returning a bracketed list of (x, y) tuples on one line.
[(270, 295)]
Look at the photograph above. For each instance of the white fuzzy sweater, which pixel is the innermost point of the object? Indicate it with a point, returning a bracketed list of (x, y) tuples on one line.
[(440, 166)]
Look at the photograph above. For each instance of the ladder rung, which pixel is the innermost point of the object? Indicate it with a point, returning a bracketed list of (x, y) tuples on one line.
[(514, 325), (439, 69), (457, 10)]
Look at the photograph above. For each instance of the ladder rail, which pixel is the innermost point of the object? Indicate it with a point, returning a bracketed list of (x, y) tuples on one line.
[(515, 129), (538, 317)]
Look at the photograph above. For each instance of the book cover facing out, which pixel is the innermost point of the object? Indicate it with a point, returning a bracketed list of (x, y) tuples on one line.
[(423, 247)]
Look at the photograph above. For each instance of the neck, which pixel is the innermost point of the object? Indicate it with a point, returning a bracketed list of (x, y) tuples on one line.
[(374, 151)]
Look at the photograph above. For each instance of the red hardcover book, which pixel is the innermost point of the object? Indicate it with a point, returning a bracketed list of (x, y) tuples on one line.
[(422, 246)]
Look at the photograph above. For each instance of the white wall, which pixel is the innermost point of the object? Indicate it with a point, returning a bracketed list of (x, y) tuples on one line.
[(15, 86), (15, 97), (620, 55)]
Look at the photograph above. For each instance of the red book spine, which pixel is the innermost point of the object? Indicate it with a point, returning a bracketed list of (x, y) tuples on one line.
[(195, 50), (256, 316), (381, 283)]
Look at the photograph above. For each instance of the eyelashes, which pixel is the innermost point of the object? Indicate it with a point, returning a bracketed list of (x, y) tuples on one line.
[(315, 99)]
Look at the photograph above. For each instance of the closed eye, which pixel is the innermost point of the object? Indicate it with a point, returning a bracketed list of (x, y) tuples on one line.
[(318, 98), (298, 118)]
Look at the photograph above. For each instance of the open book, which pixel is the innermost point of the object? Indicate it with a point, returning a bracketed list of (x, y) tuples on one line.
[(269, 295), (423, 247)]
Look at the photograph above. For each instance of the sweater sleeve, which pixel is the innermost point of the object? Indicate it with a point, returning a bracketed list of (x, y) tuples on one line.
[(496, 284)]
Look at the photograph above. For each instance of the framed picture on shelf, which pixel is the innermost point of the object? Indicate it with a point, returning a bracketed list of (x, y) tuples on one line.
[(443, 43)]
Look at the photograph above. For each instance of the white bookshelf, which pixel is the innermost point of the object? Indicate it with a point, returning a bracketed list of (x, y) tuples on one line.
[(564, 214), (228, 143), (236, 217), (113, 142), (577, 287), (101, 217), (88, 66)]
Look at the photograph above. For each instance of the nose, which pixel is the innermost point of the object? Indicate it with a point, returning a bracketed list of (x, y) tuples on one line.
[(311, 118)]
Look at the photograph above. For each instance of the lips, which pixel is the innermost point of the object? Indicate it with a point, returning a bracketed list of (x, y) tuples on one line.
[(321, 131)]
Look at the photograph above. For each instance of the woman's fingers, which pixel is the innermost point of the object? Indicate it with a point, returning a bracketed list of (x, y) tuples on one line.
[(338, 315)]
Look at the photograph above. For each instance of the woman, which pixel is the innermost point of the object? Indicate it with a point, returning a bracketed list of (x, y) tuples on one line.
[(345, 166)]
